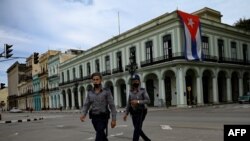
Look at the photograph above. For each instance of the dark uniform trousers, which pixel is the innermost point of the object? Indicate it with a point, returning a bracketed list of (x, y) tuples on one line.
[(138, 118), (100, 124)]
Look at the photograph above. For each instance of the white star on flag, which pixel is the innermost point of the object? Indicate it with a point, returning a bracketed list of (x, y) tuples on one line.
[(190, 22)]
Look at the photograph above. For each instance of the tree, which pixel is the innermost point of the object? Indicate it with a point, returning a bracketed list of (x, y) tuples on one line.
[(243, 24)]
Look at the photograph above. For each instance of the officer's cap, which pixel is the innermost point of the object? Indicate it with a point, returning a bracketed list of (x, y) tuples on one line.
[(135, 77)]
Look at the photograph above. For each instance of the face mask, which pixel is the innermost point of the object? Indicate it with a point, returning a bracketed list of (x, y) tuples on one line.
[(136, 85), (97, 85)]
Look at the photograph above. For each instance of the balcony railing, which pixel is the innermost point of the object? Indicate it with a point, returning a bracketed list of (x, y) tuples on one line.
[(107, 72), (165, 58), (42, 73), (53, 76), (117, 70), (75, 80), (181, 55), (54, 89)]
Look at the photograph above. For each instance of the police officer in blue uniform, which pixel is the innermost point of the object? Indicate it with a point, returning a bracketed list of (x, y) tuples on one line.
[(98, 102), (137, 107)]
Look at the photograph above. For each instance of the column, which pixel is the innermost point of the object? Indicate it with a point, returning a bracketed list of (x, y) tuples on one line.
[(61, 101), (73, 98), (200, 100), (67, 101), (162, 97), (127, 89), (79, 99), (240, 86), (116, 96), (215, 90), (229, 90), (180, 86), (41, 102), (55, 101), (50, 101), (58, 101), (124, 59)]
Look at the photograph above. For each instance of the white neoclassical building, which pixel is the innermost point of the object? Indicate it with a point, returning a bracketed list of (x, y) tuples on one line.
[(170, 79)]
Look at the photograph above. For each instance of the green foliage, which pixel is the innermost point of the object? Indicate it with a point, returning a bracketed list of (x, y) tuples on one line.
[(243, 24)]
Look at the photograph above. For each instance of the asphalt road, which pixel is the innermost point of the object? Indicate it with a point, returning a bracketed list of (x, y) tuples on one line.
[(173, 124)]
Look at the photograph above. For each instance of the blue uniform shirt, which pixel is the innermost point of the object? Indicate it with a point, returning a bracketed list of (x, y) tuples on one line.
[(141, 95)]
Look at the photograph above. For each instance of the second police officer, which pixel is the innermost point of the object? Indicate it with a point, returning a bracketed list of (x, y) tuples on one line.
[(137, 107)]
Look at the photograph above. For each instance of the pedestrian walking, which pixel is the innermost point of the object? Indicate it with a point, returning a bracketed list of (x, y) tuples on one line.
[(98, 103), (137, 107)]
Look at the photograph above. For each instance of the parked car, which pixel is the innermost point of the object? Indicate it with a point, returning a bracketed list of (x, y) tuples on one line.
[(15, 110), (245, 98)]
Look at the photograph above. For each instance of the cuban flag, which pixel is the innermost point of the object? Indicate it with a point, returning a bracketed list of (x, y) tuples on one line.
[(192, 32)]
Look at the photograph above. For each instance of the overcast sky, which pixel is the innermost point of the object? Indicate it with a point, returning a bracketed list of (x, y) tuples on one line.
[(39, 25)]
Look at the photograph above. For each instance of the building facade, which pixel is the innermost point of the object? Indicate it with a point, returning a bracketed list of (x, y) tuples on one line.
[(55, 100), (14, 72), (25, 85), (158, 49), (43, 77), (3, 99)]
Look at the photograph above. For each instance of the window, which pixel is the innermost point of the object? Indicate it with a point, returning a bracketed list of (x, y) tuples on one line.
[(80, 71), (97, 65), (68, 77), (74, 73), (62, 77), (221, 49), (88, 69), (149, 51), (107, 63), (133, 53), (119, 60), (167, 47), (233, 50), (205, 46), (245, 52)]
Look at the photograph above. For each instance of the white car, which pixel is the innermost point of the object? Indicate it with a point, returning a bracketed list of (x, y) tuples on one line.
[(15, 110)]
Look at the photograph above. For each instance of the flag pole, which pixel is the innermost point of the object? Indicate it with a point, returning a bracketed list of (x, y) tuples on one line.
[(118, 22)]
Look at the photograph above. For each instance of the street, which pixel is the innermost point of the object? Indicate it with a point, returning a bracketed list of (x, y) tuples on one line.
[(172, 124)]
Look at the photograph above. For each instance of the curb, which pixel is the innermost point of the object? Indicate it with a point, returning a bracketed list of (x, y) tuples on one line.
[(21, 120)]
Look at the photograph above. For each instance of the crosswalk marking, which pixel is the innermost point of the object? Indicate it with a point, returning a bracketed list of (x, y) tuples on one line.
[(121, 126), (166, 127)]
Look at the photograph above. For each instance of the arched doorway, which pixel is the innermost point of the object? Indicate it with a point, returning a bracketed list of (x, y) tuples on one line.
[(76, 98), (207, 87), (121, 96), (70, 98), (152, 88), (64, 99), (246, 83), (109, 85), (222, 88), (82, 94), (190, 87), (170, 88), (235, 86)]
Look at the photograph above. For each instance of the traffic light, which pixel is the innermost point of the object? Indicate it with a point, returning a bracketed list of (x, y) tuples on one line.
[(7, 50), (2, 85), (36, 57)]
